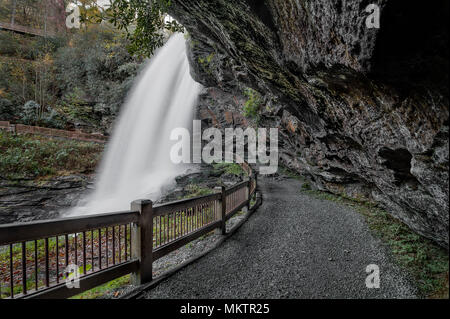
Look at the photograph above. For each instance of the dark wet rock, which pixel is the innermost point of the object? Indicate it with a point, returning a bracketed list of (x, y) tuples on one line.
[(361, 112), (205, 179), (28, 200)]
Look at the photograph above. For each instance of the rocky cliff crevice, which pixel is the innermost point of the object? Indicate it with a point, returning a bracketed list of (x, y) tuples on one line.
[(362, 112)]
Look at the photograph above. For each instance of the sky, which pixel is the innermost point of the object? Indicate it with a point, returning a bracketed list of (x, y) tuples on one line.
[(103, 2)]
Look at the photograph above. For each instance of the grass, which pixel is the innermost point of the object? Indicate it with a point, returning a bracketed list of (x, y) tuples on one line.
[(195, 190), (104, 289), (121, 282), (422, 258), (40, 245), (32, 156), (306, 186), (289, 173), (229, 168), (172, 225), (253, 104)]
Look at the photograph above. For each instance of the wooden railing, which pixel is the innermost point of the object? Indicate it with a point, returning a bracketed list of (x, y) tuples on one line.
[(25, 30), (35, 256), (52, 132)]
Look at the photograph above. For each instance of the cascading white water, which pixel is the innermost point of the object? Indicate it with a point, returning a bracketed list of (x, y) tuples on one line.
[(137, 160)]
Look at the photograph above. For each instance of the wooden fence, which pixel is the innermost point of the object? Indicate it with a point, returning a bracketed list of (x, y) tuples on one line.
[(25, 30), (34, 256), (52, 132)]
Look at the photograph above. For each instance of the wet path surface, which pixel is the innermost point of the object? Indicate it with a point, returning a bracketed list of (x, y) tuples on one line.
[(293, 246)]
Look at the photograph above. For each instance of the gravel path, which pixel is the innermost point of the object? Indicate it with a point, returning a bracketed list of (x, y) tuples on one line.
[(294, 246)]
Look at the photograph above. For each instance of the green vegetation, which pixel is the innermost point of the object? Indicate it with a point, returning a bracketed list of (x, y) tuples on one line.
[(94, 74), (79, 78), (253, 104), (207, 59), (83, 78), (229, 168), (27, 48), (25, 156), (205, 62), (306, 186), (33, 13), (102, 290), (196, 191), (28, 77), (288, 172), (426, 261), (143, 22), (40, 249)]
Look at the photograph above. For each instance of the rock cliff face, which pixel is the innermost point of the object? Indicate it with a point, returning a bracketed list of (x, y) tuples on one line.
[(361, 111), (29, 200)]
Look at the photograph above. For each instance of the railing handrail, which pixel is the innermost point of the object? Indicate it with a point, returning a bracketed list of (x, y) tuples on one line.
[(140, 222), (236, 187), (24, 29), (52, 132), (165, 208), (20, 232)]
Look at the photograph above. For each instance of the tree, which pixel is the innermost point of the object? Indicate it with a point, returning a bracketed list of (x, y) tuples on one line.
[(13, 14), (144, 22), (90, 12)]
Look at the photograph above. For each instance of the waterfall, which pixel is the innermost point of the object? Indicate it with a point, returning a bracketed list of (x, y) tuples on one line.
[(137, 161)]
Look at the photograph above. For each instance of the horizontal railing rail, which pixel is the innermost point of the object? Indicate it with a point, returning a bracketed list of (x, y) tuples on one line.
[(180, 221), (183, 204), (236, 187), (44, 259), (52, 132), (25, 30), (13, 233)]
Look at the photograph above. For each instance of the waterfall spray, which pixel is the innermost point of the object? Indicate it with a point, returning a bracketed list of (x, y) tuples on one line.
[(137, 160)]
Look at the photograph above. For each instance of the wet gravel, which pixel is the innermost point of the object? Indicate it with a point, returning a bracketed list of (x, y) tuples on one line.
[(294, 246)]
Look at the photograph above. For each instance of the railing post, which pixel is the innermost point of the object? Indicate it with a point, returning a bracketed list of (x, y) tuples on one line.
[(258, 197), (142, 242), (222, 210), (247, 193)]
